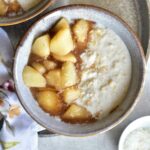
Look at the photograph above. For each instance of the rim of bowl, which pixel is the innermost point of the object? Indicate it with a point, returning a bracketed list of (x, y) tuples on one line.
[(130, 109), (123, 137), (31, 16)]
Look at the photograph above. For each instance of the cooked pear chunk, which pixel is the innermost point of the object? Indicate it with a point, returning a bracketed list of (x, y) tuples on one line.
[(62, 23), (3, 8), (41, 46), (69, 75), (62, 43), (33, 78), (70, 94), (50, 102), (39, 67), (69, 57), (76, 113), (49, 65), (81, 29), (54, 78)]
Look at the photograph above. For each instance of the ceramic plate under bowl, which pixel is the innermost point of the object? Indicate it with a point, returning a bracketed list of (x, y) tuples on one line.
[(6, 21), (100, 16)]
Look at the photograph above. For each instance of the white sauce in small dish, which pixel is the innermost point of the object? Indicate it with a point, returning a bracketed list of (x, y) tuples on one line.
[(139, 139)]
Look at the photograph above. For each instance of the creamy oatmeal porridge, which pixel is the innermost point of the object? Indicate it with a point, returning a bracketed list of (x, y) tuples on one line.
[(106, 73)]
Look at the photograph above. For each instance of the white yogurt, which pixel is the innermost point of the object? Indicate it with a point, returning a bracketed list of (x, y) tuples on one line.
[(106, 73), (138, 139)]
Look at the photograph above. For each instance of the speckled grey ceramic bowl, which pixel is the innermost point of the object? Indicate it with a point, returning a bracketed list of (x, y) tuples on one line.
[(97, 15), (6, 21)]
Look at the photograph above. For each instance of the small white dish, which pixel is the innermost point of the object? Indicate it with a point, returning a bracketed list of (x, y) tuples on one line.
[(143, 122)]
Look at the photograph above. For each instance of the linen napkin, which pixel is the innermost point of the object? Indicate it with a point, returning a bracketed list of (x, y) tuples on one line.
[(19, 131)]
